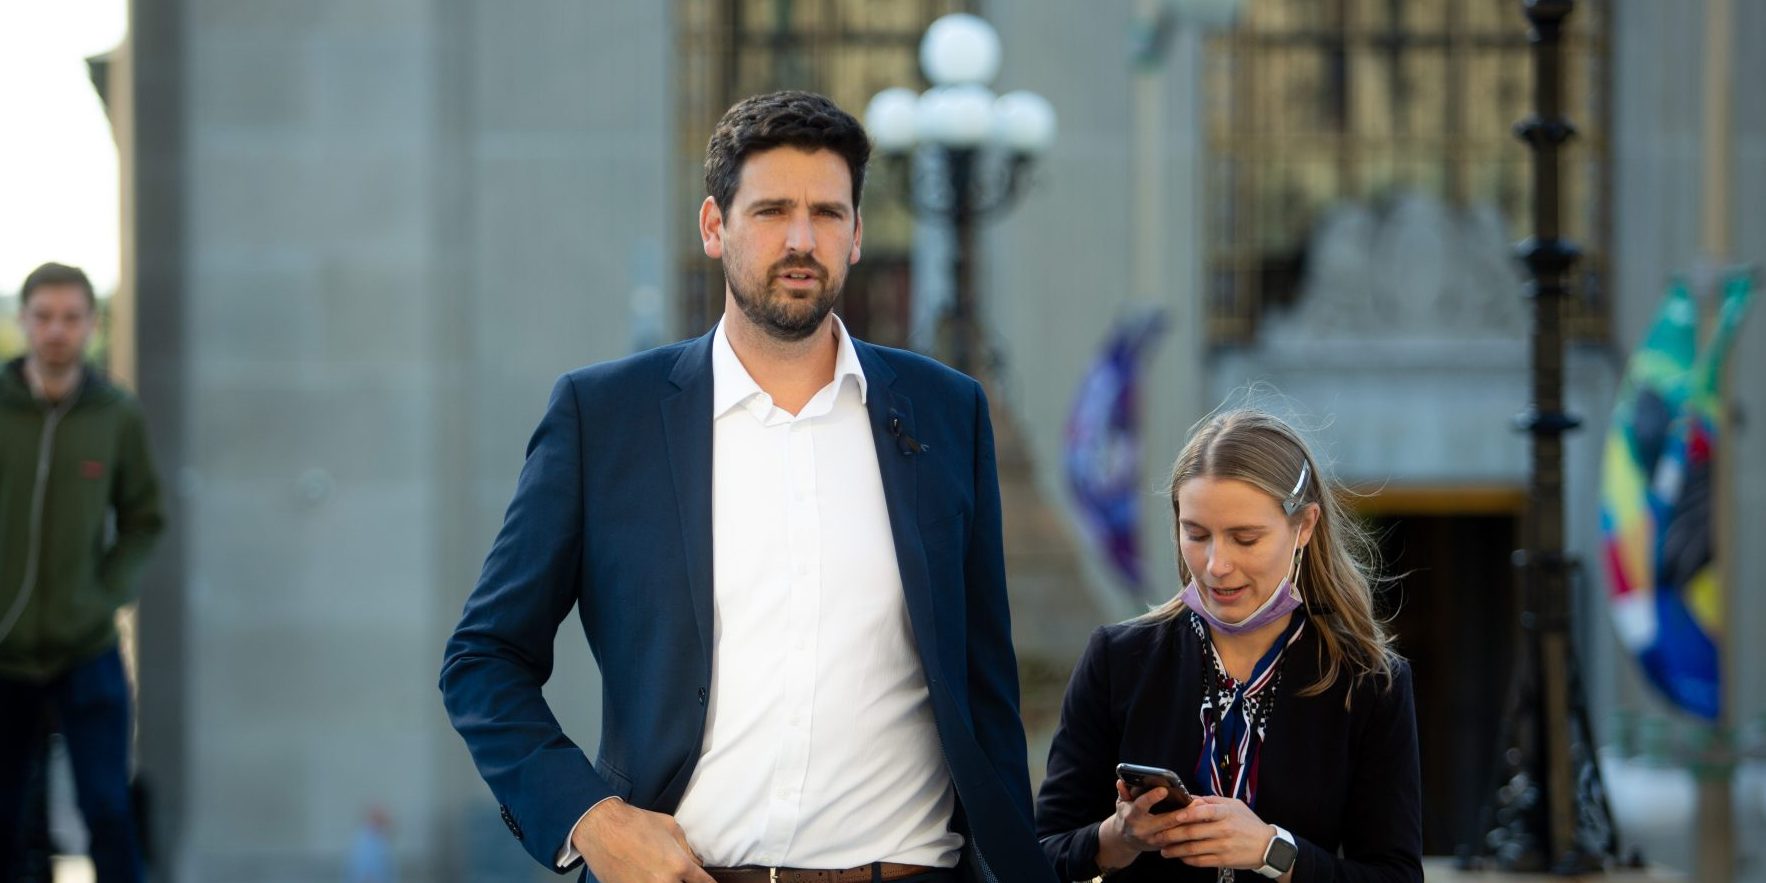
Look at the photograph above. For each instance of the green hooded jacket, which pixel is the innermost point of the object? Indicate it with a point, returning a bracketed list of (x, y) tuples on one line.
[(65, 564)]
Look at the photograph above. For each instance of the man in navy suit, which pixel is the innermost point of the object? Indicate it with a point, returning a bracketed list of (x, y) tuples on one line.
[(784, 548)]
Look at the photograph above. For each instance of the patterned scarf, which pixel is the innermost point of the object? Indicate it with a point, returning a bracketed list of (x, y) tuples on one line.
[(1235, 717)]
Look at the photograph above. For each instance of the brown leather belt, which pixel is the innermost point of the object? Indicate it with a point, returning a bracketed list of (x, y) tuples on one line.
[(888, 871)]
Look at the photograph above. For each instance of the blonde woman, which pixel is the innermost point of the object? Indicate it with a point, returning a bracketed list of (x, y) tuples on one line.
[(1266, 685)]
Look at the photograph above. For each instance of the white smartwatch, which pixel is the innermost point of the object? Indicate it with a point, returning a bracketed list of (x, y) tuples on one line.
[(1279, 855)]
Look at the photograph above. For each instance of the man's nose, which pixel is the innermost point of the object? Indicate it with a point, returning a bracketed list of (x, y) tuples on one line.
[(800, 235)]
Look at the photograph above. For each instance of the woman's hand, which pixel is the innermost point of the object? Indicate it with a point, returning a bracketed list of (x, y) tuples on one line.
[(1216, 832), (1134, 829)]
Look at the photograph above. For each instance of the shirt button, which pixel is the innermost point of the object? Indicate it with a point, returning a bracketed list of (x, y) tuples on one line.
[(701, 695)]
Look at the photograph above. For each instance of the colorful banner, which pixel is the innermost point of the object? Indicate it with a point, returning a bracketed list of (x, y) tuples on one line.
[(1657, 501)]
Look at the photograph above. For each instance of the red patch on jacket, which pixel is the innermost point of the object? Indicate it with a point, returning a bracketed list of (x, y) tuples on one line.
[(91, 469)]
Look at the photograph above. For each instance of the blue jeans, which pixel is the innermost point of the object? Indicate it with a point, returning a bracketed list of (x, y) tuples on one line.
[(91, 704)]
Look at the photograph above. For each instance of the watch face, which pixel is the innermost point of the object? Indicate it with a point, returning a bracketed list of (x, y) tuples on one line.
[(1281, 854)]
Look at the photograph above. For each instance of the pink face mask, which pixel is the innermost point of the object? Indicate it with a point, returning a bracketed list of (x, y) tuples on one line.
[(1281, 602)]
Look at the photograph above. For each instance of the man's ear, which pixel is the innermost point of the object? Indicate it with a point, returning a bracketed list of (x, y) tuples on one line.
[(858, 235), (711, 228)]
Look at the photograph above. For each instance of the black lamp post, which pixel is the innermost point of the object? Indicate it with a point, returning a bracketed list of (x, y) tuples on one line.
[(977, 150), (1549, 812)]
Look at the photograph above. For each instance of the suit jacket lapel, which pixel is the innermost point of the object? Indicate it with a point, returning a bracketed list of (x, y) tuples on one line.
[(898, 456), (686, 420)]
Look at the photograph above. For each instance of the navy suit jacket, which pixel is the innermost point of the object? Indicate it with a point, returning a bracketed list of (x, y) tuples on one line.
[(612, 516)]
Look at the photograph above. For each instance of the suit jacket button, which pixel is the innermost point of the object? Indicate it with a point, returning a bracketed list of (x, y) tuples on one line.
[(509, 820), (701, 695)]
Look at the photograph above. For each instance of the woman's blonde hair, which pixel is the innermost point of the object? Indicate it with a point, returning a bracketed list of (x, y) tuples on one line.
[(1337, 576)]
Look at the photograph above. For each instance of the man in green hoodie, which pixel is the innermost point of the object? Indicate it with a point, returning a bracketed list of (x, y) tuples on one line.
[(79, 511)]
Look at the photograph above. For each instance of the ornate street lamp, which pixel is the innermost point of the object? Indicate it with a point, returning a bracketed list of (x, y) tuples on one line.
[(1549, 812), (977, 150)]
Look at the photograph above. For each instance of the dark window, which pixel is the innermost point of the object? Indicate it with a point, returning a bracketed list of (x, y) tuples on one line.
[(1311, 102)]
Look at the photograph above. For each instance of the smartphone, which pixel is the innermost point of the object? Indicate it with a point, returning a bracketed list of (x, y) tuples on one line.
[(1141, 779)]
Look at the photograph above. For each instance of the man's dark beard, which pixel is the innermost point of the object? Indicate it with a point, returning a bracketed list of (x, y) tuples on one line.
[(774, 313)]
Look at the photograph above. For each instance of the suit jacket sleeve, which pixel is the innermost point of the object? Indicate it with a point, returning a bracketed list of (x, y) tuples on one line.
[(993, 664), (1079, 791), (1384, 842), (501, 652)]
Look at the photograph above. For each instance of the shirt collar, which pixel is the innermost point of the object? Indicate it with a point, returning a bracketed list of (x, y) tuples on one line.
[(731, 384)]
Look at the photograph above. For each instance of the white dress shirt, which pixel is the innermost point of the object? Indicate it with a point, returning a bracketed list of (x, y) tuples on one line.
[(820, 750)]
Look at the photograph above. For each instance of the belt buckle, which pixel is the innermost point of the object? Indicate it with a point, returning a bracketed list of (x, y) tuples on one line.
[(772, 875)]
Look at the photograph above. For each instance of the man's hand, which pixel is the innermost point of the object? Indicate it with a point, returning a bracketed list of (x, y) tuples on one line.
[(624, 844)]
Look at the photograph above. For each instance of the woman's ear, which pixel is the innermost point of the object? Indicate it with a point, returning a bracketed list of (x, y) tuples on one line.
[(1308, 521)]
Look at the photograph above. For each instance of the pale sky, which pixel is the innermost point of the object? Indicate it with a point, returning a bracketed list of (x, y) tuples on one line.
[(58, 163)]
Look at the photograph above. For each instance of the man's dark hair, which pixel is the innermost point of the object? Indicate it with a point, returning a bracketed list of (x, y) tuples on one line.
[(803, 120), (56, 274)]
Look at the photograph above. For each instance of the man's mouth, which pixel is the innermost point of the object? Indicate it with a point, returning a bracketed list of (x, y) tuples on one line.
[(799, 278)]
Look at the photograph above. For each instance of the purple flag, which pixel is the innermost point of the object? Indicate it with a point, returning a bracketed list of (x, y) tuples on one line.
[(1103, 446)]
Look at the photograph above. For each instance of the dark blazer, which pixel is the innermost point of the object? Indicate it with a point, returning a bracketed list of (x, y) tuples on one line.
[(1336, 779), (612, 516)]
